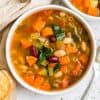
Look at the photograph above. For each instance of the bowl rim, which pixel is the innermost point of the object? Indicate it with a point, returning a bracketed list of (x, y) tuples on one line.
[(8, 43), (88, 17)]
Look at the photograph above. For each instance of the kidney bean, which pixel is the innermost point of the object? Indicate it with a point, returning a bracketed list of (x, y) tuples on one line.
[(52, 38), (34, 51), (53, 59)]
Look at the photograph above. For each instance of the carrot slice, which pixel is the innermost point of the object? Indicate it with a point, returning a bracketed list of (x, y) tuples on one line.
[(64, 60), (29, 78), (93, 11), (77, 70), (77, 2), (47, 31), (71, 49), (64, 68), (83, 58), (45, 86), (65, 82), (25, 43), (38, 81), (86, 3), (31, 60), (39, 24)]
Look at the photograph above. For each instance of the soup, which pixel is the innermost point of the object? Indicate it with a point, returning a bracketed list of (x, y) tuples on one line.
[(91, 7), (50, 50)]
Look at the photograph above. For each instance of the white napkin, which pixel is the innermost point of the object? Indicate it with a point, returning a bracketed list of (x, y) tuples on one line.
[(11, 9)]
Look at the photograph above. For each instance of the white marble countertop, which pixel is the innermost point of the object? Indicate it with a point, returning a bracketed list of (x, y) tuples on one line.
[(24, 94)]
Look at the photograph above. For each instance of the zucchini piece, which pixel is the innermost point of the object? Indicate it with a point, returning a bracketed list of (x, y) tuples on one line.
[(35, 36), (50, 71), (44, 63), (37, 43), (43, 72)]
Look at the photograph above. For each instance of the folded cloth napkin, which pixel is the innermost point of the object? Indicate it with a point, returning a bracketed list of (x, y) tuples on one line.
[(11, 9)]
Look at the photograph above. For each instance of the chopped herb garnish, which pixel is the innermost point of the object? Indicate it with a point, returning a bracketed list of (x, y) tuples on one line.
[(41, 57), (58, 32), (44, 53), (57, 67)]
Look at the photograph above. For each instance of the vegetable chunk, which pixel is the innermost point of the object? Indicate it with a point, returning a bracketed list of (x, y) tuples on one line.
[(45, 86), (47, 31), (25, 43), (29, 78), (64, 60), (39, 24), (31, 60)]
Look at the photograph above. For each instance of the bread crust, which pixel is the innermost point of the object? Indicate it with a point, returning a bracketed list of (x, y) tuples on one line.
[(6, 85)]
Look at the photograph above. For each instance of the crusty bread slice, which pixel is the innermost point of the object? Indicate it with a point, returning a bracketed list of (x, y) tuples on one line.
[(6, 84), (7, 98)]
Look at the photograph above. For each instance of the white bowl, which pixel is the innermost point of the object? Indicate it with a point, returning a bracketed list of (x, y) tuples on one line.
[(88, 17), (9, 39)]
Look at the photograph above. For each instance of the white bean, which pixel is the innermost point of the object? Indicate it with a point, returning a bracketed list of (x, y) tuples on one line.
[(42, 39), (62, 14), (55, 85), (68, 40), (58, 74), (83, 46), (60, 53)]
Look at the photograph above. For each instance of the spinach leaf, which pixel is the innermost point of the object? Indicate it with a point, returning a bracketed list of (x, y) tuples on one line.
[(57, 67), (58, 32), (41, 57), (44, 53), (76, 38), (47, 51)]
